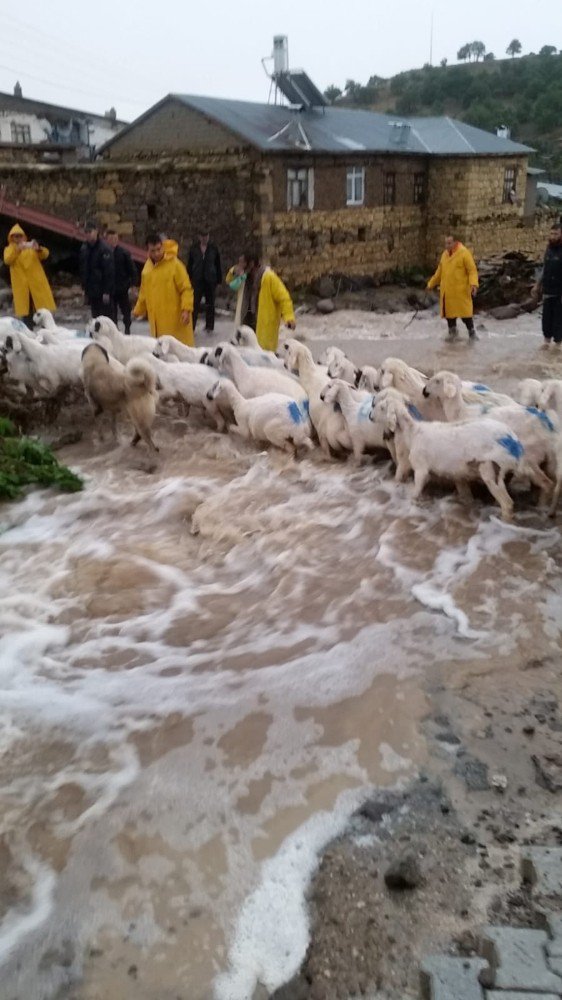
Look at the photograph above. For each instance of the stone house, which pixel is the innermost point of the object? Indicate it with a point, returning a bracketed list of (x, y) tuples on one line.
[(321, 191)]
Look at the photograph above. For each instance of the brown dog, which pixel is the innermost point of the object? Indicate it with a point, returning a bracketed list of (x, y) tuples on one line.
[(113, 388)]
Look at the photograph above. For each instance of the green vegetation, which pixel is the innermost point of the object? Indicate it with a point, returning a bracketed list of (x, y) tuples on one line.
[(524, 94), (25, 462)]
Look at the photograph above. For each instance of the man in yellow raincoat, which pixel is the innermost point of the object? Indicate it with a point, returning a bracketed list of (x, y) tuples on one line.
[(265, 301), (30, 286), (457, 278), (166, 294)]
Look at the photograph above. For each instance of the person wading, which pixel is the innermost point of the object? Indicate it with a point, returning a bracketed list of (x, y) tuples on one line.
[(549, 287), (30, 287), (457, 278), (125, 278), (205, 272), (166, 294), (265, 301), (97, 272)]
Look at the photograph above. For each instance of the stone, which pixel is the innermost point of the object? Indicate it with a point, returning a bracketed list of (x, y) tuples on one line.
[(517, 960), (506, 312), (541, 867), (556, 966), (554, 946), (444, 978), (510, 995), (548, 771), (325, 306), (474, 772), (325, 287), (404, 873)]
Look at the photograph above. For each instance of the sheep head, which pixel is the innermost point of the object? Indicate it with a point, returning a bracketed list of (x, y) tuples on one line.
[(443, 385)]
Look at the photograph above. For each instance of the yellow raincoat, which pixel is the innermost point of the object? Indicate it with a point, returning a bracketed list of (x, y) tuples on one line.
[(455, 276), (29, 281), (165, 292), (274, 305)]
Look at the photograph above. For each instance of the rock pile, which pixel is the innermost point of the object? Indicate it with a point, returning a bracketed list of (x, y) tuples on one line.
[(505, 284)]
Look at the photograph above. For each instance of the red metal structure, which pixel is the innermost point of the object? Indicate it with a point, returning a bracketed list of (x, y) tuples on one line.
[(23, 213)]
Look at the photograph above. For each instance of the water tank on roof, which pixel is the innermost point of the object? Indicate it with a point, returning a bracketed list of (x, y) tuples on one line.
[(503, 132), (280, 54)]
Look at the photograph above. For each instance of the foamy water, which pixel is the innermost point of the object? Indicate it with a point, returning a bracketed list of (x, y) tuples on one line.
[(202, 672)]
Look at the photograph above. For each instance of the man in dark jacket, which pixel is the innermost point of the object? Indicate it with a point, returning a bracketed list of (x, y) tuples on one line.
[(125, 278), (550, 288), (204, 269), (97, 272)]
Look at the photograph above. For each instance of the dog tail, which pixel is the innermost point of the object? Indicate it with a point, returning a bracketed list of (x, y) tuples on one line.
[(140, 375)]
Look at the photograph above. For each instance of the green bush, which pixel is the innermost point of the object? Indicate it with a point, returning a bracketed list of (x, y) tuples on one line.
[(27, 462)]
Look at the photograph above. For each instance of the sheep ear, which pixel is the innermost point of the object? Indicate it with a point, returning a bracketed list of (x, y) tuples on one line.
[(97, 325), (203, 358), (9, 343), (450, 389), (218, 352)]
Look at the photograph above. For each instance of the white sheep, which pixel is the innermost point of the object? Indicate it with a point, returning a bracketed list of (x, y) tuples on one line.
[(330, 354), (364, 433), (189, 384), (528, 392), (272, 417), (169, 348), (550, 403), (249, 348), (343, 368), (534, 429), (253, 381), (123, 346), (50, 331), (397, 374), (369, 378), (328, 421), (486, 449), (48, 367)]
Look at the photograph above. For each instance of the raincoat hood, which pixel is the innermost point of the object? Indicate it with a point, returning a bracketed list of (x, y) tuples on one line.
[(170, 248), (16, 231)]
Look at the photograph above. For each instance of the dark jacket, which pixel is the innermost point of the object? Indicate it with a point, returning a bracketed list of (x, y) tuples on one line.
[(204, 268), (551, 281), (97, 270), (125, 270)]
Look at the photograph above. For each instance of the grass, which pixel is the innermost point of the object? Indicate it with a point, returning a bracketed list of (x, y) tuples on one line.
[(26, 461)]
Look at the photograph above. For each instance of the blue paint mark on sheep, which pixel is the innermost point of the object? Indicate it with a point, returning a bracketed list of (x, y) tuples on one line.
[(297, 415), (480, 388), (414, 412), (365, 409), (512, 445), (543, 417), (306, 406)]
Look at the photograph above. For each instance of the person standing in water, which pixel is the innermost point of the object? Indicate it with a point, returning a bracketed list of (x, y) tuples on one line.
[(30, 286), (457, 278)]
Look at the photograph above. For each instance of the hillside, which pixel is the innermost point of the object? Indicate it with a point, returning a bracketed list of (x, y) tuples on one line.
[(525, 94)]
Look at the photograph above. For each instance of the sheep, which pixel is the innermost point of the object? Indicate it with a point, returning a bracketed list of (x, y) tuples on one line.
[(331, 354), (272, 417), (248, 346), (365, 435), (369, 378), (409, 381), (189, 384), (328, 421), (112, 388), (169, 348), (550, 403), (343, 368), (528, 392), (246, 337), (253, 381), (50, 332), (123, 346), (39, 366), (534, 429), (485, 450)]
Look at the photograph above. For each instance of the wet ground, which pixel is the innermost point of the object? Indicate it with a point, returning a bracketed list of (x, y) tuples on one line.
[(206, 668)]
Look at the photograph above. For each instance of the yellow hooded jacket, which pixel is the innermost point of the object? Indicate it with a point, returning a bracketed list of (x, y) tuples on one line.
[(27, 276), (165, 292), (274, 305), (455, 276)]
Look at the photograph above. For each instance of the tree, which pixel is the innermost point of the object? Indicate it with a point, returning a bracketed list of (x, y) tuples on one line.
[(548, 50), (478, 50), (352, 89), (332, 93), (464, 53), (443, 63), (514, 48), (489, 57)]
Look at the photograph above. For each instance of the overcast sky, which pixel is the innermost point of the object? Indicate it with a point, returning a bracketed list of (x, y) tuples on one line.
[(92, 54)]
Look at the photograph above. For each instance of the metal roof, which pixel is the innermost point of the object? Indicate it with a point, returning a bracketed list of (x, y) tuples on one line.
[(275, 128), (11, 102)]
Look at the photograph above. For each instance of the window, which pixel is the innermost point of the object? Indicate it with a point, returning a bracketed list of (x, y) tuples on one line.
[(509, 182), (300, 188), (419, 189), (389, 189), (21, 133), (355, 185)]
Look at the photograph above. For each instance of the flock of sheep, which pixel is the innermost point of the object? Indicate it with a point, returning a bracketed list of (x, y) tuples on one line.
[(435, 426)]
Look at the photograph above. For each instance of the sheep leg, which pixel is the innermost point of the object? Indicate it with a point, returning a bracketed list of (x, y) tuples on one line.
[(358, 453), (402, 470), (420, 479), (555, 497), (241, 431), (325, 446), (136, 439), (540, 479), (497, 489), (464, 492)]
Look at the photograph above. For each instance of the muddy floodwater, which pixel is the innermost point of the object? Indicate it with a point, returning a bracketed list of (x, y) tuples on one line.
[(204, 669)]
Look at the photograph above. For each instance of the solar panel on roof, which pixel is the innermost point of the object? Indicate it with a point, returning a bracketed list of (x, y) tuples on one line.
[(298, 88)]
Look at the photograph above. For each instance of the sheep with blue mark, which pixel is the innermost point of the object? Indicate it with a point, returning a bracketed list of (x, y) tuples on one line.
[(253, 381), (538, 436), (328, 421), (485, 450), (272, 417), (355, 408)]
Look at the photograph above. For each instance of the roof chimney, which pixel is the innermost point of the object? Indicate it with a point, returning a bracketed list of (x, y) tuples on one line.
[(111, 115), (18, 90)]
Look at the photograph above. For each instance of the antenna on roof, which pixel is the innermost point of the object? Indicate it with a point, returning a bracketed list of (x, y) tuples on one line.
[(295, 85)]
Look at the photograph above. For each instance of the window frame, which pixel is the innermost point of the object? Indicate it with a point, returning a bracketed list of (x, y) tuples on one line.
[(389, 188), (509, 184), (306, 202), (21, 133), (353, 174), (420, 188)]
